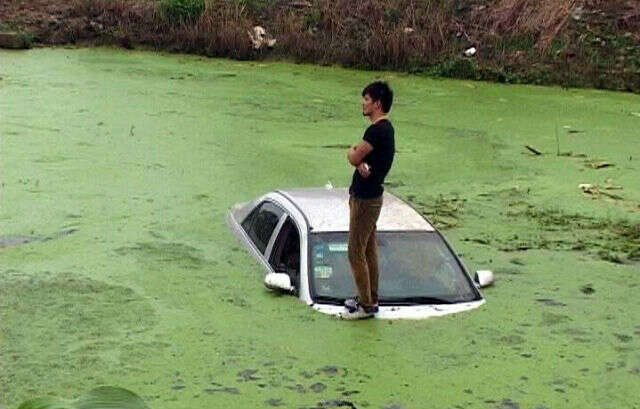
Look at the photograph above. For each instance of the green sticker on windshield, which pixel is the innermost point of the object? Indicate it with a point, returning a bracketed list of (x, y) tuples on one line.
[(338, 247), (323, 272), (317, 251)]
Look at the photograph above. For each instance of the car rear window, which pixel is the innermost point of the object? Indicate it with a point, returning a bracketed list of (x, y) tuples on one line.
[(260, 224)]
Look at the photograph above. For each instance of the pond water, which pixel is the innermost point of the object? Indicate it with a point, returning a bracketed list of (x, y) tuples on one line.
[(117, 268)]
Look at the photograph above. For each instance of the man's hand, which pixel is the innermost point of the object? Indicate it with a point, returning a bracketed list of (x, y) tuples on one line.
[(364, 170)]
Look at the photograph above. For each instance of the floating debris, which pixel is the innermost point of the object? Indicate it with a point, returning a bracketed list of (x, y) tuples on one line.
[(611, 186), (16, 240), (589, 188), (248, 375), (532, 149), (598, 164), (551, 302), (587, 289), (596, 192), (572, 155), (336, 403), (10, 241)]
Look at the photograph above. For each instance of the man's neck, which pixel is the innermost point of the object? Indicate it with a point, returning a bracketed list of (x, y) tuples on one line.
[(375, 118)]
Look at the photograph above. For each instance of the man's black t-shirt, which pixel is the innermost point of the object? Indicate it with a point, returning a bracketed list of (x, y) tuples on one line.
[(381, 136)]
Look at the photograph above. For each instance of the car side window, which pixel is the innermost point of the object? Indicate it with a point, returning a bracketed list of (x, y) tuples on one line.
[(248, 221), (260, 224)]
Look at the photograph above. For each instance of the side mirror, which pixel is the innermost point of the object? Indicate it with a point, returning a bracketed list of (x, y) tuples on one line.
[(483, 278), (279, 281)]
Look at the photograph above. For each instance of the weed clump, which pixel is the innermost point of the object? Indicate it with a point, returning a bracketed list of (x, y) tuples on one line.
[(181, 11), (444, 212), (462, 68), (616, 242)]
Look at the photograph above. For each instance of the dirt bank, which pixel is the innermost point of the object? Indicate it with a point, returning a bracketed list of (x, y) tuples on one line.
[(590, 43)]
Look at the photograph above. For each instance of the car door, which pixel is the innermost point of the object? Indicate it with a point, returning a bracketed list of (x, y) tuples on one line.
[(285, 254)]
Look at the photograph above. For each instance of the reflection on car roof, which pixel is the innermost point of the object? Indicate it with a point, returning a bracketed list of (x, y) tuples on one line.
[(327, 210)]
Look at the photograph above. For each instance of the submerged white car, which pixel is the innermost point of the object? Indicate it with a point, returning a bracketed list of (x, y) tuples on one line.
[(300, 237)]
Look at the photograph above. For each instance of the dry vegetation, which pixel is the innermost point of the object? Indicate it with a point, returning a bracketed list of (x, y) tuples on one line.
[(568, 42)]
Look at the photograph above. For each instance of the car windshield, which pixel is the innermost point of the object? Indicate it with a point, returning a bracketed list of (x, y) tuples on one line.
[(415, 268)]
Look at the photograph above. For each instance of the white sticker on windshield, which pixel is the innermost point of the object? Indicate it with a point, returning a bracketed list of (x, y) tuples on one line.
[(323, 272), (337, 247)]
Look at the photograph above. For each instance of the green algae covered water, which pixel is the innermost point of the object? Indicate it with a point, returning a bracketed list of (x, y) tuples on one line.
[(117, 267)]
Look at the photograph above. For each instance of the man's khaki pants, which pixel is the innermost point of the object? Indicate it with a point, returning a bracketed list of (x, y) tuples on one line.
[(363, 254)]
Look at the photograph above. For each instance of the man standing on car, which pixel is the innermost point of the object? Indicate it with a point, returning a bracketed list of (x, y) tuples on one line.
[(372, 158)]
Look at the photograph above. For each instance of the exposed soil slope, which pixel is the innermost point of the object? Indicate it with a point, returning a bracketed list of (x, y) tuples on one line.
[(593, 43)]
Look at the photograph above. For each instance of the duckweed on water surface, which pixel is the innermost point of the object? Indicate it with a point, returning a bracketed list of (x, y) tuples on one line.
[(140, 156)]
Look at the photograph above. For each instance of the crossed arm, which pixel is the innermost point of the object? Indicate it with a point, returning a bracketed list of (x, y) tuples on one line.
[(356, 154)]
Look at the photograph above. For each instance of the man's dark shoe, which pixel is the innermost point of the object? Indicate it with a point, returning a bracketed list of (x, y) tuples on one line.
[(351, 304)]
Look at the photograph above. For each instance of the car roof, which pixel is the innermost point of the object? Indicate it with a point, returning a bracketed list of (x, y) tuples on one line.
[(327, 210)]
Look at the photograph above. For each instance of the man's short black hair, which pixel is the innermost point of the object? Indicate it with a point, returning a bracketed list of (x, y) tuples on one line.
[(380, 91)]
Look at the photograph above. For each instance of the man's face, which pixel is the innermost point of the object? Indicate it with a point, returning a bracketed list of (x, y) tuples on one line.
[(368, 105)]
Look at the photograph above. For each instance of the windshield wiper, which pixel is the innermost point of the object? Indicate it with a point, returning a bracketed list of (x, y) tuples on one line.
[(323, 299), (416, 301)]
